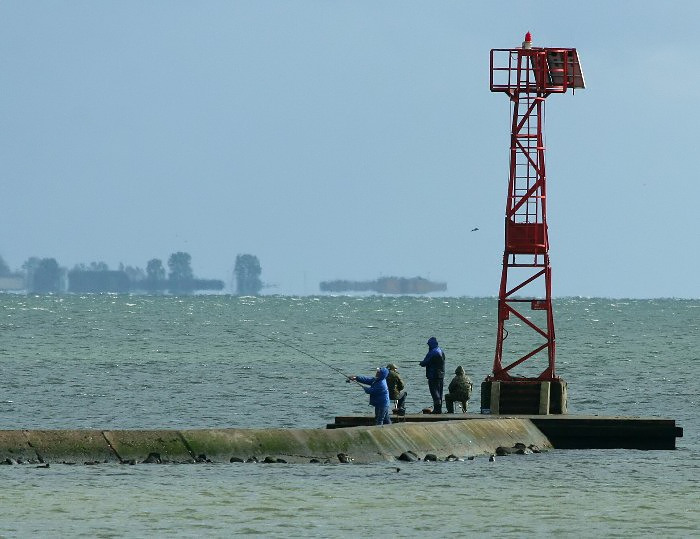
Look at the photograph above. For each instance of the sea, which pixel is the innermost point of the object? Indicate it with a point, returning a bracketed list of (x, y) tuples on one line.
[(217, 361)]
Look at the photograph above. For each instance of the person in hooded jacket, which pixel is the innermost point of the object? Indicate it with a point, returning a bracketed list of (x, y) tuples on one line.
[(378, 394), (434, 363), (397, 389), (460, 390)]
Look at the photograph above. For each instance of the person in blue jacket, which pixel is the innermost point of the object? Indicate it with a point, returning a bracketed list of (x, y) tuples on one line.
[(378, 394), (434, 363)]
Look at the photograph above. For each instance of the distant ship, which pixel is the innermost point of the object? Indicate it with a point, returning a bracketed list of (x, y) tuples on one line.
[(385, 285)]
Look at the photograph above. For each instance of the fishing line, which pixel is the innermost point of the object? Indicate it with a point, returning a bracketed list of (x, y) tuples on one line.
[(301, 351)]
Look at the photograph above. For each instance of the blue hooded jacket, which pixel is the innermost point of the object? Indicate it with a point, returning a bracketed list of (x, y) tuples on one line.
[(434, 361), (378, 390)]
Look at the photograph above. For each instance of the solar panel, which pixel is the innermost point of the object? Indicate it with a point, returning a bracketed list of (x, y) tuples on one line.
[(556, 58)]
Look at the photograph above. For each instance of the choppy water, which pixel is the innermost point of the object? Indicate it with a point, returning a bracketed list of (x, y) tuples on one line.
[(162, 362)]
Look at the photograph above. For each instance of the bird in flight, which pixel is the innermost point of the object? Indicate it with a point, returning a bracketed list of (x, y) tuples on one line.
[(474, 229)]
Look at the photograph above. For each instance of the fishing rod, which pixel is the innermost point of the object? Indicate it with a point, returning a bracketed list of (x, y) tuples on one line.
[(301, 351)]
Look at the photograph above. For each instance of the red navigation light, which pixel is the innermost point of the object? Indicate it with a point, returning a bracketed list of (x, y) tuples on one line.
[(528, 37)]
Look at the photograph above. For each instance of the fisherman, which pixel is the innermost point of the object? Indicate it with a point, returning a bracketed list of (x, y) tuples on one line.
[(460, 390), (397, 389), (434, 363), (378, 394)]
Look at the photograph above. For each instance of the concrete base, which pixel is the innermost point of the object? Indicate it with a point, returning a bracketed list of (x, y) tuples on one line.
[(524, 397), (564, 431)]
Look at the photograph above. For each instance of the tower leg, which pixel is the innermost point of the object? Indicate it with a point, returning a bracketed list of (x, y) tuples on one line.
[(524, 397)]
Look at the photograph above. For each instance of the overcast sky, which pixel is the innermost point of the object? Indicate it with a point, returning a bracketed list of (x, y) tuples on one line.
[(346, 139)]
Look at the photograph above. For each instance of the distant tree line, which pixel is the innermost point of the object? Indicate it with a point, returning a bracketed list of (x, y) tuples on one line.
[(247, 272), (5, 269), (44, 275)]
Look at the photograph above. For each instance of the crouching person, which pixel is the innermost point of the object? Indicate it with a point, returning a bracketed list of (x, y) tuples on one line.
[(378, 394), (460, 390), (397, 389)]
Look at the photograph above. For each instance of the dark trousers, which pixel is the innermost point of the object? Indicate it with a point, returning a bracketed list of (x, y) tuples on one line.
[(435, 386), (450, 403), (381, 415), (401, 405)]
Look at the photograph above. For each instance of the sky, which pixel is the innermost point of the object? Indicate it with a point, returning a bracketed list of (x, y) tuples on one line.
[(346, 140)]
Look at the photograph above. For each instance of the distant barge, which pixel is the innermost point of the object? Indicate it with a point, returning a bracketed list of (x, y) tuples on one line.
[(385, 285)]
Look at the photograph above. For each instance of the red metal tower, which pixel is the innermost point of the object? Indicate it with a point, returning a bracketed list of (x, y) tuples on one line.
[(528, 75)]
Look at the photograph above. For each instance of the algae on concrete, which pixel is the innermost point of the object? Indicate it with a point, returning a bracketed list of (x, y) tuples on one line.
[(139, 444), (14, 445), (73, 446)]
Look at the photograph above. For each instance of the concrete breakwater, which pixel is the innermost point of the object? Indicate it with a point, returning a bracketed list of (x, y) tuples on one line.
[(362, 444), (566, 431)]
